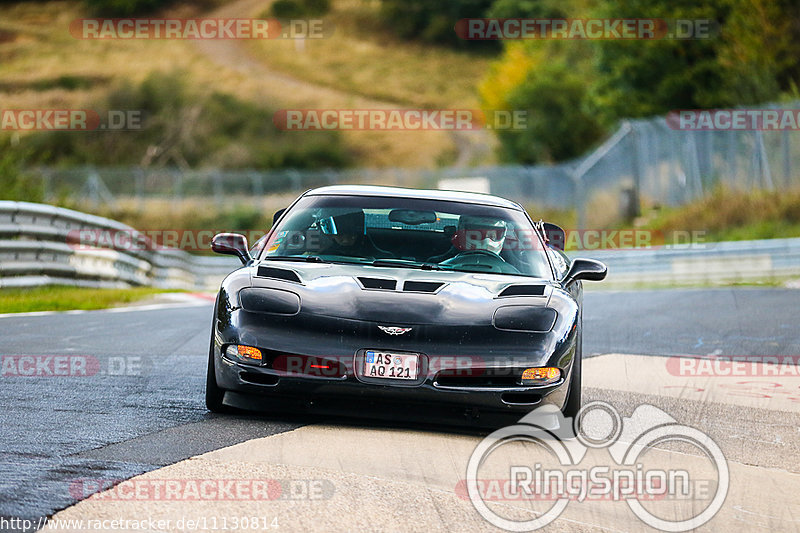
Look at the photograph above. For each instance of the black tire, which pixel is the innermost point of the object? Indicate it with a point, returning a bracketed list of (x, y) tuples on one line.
[(214, 394), (573, 403)]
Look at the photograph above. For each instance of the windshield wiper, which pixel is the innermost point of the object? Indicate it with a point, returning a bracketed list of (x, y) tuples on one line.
[(403, 264), (303, 258), (481, 271)]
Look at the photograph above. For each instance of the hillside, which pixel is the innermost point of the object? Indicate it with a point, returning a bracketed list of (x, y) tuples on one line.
[(43, 66)]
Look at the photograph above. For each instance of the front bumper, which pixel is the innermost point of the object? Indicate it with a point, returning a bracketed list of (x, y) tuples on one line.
[(432, 400)]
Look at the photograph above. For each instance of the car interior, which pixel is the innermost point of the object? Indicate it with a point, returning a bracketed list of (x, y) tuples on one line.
[(397, 234)]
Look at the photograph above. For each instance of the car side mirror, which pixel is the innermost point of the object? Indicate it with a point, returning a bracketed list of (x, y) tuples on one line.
[(555, 235), (277, 215), (231, 244), (584, 269)]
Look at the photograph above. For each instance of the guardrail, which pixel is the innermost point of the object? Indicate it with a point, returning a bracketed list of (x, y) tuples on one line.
[(35, 250), (772, 260)]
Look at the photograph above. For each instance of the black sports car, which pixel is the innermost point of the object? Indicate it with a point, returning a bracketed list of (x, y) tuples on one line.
[(434, 306)]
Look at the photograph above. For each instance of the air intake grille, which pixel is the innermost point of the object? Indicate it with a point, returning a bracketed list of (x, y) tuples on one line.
[(523, 290), (421, 286), (378, 283), (277, 273), (449, 379)]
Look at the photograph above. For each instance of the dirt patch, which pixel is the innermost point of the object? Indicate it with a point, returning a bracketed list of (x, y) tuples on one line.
[(7, 36)]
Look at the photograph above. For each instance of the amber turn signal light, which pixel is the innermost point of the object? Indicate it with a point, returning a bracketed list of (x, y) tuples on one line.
[(540, 376)]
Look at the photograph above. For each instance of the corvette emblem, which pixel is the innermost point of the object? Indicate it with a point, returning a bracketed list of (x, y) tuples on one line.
[(392, 330)]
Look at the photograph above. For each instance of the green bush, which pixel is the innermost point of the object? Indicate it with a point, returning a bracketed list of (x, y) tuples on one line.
[(130, 8), (649, 77), (751, 58), (529, 9), (430, 21), (124, 8), (287, 9), (558, 127)]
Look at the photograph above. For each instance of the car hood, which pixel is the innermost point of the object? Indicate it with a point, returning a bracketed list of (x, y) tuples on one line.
[(399, 295)]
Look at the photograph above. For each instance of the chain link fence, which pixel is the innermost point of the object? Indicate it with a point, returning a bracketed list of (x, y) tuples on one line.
[(644, 161)]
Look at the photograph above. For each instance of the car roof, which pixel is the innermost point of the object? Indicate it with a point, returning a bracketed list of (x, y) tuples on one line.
[(428, 194)]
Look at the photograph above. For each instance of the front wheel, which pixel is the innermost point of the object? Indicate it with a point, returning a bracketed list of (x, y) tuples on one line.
[(214, 394)]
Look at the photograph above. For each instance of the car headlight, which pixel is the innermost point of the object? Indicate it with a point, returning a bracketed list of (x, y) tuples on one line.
[(525, 318), (271, 301)]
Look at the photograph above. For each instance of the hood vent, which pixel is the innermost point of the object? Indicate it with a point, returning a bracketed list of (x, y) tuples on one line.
[(277, 273), (378, 283), (422, 286), (522, 290)]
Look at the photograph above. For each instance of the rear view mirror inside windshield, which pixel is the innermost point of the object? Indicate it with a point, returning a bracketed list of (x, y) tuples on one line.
[(412, 217)]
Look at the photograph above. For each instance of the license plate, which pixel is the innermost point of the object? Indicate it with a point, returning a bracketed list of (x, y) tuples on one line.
[(391, 365)]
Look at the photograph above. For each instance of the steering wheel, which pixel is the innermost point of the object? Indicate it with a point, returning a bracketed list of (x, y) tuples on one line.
[(481, 260)]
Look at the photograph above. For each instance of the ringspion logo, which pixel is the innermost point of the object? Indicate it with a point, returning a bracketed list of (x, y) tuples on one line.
[(626, 476)]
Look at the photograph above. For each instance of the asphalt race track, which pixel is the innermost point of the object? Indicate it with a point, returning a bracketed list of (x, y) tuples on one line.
[(135, 405)]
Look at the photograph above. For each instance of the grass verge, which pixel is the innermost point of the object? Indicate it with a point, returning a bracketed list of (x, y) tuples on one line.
[(725, 215), (66, 298), (733, 216)]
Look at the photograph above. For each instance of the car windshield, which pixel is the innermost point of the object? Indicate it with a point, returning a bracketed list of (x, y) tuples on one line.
[(412, 233)]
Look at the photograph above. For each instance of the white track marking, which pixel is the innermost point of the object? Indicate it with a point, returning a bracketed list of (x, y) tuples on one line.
[(696, 379)]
